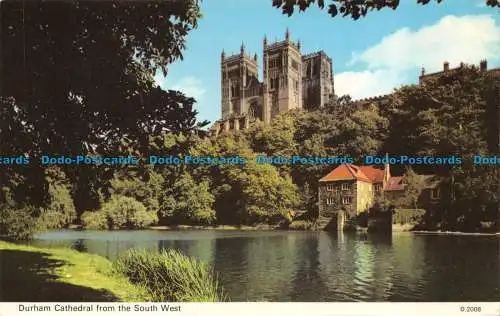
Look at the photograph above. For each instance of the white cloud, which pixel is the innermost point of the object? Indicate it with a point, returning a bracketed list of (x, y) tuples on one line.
[(367, 83), (454, 39), (190, 86)]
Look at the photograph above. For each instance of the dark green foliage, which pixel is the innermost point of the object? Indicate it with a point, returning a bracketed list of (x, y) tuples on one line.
[(18, 222), (407, 216), (453, 115), (60, 211), (89, 66), (143, 185), (350, 8), (81, 82)]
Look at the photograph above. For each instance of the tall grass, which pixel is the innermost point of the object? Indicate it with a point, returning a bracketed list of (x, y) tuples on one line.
[(302, 225), (170, 276)]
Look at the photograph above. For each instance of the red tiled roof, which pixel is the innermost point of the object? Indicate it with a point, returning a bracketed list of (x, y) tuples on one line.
[(352, 172), (376, 175), (394, 184)]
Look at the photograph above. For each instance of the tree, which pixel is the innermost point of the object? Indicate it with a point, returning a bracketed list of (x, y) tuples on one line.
[(276, 138), (259, 193), (81, 81), (452, 115), (360, 133), (352, 8), (188, 202), (82, 72), (415, 184)]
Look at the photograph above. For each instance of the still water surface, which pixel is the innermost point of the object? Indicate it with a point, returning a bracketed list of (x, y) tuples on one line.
[(318, 266)]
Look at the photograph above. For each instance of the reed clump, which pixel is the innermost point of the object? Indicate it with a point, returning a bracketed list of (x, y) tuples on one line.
[(170, 276)]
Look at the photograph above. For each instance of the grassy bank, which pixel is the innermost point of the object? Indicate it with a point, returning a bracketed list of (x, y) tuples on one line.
[(61, 275), (64, 275)]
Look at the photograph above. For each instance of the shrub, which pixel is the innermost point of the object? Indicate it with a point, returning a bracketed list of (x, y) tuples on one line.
[(302, 225), (61, 210), (119, 212), (94, 220), (170, 276), (17, 223), (145, 190), (188, 202), (407, 216)]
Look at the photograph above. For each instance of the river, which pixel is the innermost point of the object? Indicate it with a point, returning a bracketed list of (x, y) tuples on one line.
[(318, 266)]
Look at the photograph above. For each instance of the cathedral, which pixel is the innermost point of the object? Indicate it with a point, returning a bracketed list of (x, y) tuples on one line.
[(290, 81)]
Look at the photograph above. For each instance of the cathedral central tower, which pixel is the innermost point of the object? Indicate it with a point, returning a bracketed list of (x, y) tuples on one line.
[(282, 86)]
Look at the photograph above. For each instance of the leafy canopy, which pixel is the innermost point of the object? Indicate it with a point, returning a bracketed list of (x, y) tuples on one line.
[(352, 8)]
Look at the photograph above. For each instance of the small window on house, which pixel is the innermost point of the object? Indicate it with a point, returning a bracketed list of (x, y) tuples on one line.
[(345, 186), (435, 193), (346, 200), (330, 201), (378, 187), (330, 187)]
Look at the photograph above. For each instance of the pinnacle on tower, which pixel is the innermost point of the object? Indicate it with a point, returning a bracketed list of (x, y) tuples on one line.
[(222, 55), (265, 41), (255, 57), (242, 49), (287, 34), (298, 44)]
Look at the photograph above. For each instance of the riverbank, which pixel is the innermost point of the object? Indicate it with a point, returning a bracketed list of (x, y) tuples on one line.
[(395, 229), (219, 227), (423, 232), (61, 275), (193, 227)]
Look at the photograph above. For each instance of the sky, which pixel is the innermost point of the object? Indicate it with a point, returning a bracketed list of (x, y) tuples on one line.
[(371, 56)]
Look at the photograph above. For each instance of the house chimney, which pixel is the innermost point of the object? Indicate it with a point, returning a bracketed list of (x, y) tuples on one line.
[(483, 65), (387, 171), (446, 66)]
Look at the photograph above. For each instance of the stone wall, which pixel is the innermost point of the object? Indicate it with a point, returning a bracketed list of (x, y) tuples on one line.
[(328, 213)]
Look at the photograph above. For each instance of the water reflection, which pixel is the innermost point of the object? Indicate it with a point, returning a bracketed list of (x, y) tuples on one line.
[(79, 245), (308, 266)]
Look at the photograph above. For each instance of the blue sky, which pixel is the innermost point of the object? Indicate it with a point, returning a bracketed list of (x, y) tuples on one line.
[(371, 56)]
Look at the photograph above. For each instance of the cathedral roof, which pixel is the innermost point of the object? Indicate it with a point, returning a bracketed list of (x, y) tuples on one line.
[(252, 81)]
